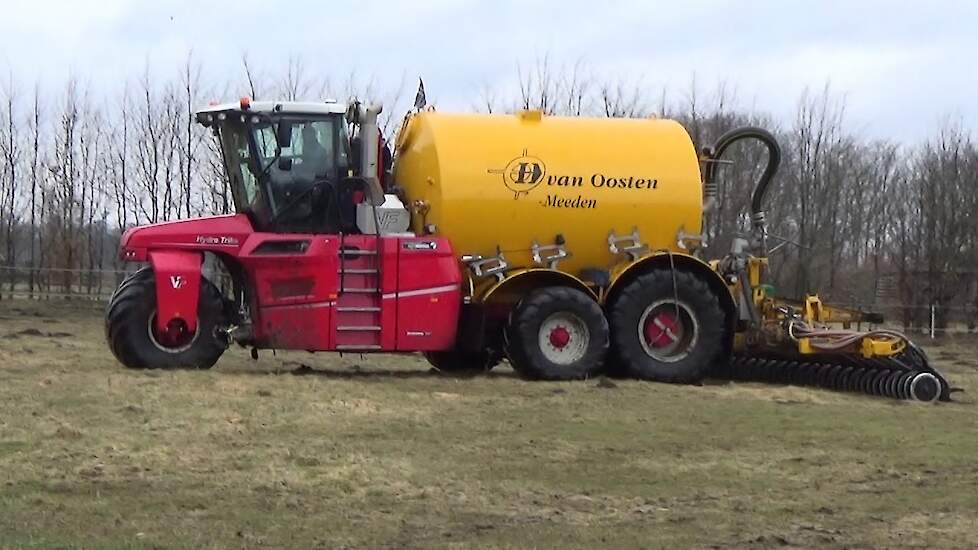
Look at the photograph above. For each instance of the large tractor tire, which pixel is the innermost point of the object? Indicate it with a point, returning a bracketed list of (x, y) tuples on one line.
[(132, 338), (667, 326), (557, 333), (462, 362)]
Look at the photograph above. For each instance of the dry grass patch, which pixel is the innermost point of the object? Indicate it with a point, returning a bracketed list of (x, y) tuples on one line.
[(303, 451)]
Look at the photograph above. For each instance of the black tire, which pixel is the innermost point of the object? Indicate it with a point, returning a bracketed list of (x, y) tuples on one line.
[(688, 350), (461, 361), (551, 306), (127, 323)]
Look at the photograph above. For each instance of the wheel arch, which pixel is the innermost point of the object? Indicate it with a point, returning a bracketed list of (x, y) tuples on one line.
[(229, 267), (519, 283)]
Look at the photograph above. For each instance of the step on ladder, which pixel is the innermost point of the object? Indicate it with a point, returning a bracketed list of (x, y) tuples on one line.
[(359, 302)]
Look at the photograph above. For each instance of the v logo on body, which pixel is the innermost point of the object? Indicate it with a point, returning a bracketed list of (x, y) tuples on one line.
[(177, 281)]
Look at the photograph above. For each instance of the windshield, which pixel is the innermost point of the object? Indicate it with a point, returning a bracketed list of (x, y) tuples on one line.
[(279, 166)]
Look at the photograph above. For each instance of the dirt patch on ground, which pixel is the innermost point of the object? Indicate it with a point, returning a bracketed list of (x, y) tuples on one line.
[(33, 332), (24, 332)]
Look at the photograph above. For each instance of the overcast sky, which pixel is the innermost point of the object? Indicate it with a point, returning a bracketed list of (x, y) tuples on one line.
[(904, 66)]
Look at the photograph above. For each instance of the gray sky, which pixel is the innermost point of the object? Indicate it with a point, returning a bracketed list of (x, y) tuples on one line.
[(904, 66)]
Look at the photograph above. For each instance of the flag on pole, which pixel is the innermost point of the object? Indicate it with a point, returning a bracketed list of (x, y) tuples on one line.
[(420, 100)]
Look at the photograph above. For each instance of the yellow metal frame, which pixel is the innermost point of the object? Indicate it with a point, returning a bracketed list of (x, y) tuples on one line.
[(814, 312)]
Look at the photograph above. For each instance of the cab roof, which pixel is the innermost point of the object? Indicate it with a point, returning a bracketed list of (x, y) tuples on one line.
[(328, 107)]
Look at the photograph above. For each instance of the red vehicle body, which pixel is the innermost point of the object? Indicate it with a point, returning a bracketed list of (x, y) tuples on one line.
[(309, 291)]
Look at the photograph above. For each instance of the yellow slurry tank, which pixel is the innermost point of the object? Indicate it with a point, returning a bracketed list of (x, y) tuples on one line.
[(488, 181)]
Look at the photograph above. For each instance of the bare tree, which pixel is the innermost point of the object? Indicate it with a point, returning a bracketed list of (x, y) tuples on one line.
[(10, 151), (295, 83), (815, 141), (74, 176), (36, 162), (191, 135), (250, 77)]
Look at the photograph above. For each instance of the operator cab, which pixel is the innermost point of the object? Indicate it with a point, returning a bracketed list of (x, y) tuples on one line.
[(290, 165)]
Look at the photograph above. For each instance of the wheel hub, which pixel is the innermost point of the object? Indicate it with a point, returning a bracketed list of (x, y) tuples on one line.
[(563, 338), (176, 334), (662, 330), (668, 330), (560, 337), (175, 337)]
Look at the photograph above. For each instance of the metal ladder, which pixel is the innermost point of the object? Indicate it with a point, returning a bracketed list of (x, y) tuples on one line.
[(359, 302)]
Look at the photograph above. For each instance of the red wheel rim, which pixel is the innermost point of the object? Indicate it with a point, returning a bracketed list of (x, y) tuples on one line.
[(174, 338), (667, 330), (175, 335), (662, 329)]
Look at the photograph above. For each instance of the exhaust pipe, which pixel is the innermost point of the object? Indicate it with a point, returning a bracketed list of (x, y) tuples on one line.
[(366, 118)]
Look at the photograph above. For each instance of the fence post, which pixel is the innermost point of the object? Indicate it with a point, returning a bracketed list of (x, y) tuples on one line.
[(933, 318)]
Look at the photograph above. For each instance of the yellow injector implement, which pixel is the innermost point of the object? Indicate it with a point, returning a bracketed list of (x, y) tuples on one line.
[(807, 341)]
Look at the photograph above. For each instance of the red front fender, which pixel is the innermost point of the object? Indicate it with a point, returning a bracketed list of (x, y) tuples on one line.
[(177, 287)]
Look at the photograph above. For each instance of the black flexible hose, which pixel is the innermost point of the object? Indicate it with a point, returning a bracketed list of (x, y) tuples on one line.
[(773, 160)]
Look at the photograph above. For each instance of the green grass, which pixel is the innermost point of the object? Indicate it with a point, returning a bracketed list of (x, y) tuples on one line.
[(378, 452)]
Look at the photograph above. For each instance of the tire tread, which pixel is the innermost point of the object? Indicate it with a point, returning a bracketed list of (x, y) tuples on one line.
[(128, 313), (631, 302), (521, 334)]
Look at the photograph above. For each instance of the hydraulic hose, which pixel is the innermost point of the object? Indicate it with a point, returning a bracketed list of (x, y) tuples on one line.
[(773, 160), (760, 189)]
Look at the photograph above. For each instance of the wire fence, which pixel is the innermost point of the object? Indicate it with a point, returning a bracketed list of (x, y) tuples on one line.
[(97, 285), (54, 283)]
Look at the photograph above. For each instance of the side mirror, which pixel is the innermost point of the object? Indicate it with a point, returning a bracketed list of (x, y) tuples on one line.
[(285, 164), (284, 134)]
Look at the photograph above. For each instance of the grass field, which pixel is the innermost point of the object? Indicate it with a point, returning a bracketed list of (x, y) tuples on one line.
[(306, 451)]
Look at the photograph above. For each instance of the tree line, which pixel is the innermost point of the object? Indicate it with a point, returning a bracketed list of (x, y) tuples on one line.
[(863, 221)]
